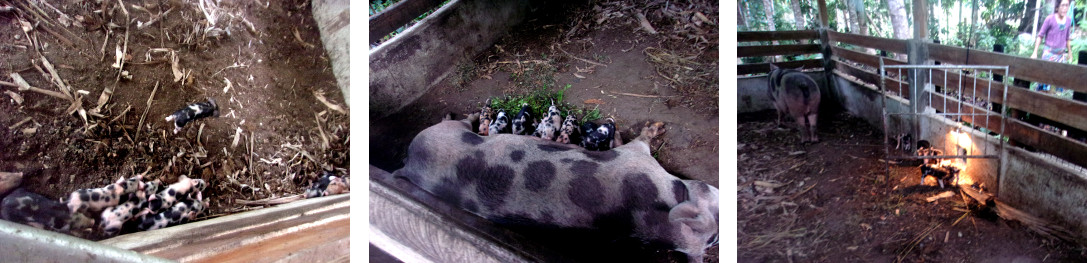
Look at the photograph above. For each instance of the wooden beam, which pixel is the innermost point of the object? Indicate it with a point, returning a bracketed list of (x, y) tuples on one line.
[(756, 68), (397, 15), (774, 50), (1068, 76), (920, 19), (823, 14), (890, 45), (863, 58), (748, 36)]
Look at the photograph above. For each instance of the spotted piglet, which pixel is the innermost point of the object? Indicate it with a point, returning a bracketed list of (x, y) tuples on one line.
[(599, 138), (193, 112), (500, 124), (522, 120), (114, 218), (511, 179), (550, 124), (486, 116), (180, 212), (96, 199), (24, 207), (328, 184), (176, 191), (569, 131)]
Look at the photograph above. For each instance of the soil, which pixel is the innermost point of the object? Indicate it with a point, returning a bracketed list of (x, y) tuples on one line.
[(264, 78), (835, 201), (548, 50)]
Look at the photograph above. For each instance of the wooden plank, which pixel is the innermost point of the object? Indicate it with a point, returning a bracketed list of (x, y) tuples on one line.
[(887, 44), (1068, 112), (757, 68), (946, 104), (863, 58), (774, 50), (1065, 75), (748, 36), (823, 13), (901, 88), (398, 15)]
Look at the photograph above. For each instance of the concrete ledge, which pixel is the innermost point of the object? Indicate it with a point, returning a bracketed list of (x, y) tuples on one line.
[(333, 18), (753, 96), (409, 64), (315, 229), (20, 243)]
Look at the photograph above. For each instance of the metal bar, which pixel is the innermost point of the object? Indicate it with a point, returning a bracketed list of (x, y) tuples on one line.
[(945, 67)]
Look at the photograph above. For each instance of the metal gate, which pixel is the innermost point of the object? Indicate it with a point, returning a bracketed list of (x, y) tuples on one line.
[(964, 94)]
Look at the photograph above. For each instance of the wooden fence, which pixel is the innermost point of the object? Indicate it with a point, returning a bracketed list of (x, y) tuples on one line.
[(849, 59)]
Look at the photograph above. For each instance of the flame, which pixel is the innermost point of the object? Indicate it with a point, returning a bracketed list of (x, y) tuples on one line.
[(961, 139)]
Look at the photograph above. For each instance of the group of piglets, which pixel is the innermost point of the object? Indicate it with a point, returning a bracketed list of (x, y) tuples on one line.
[(328, 184), (125, 204), (591, 136)]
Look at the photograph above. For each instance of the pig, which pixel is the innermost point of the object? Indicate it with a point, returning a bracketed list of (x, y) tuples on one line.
[(96, 199), (193, 112), (114, 218), (511, 179), (940, 173), (328, 184), (500, 124), (569, 133), (169, 196), (522, 120), (181, 212), (486, 116), (599, 138), (24, 207), (9, 181), (550, 124), (795, 93)]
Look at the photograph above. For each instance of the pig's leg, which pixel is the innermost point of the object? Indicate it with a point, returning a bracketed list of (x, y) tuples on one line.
[(811, 127), (641, 143), (801, 127)]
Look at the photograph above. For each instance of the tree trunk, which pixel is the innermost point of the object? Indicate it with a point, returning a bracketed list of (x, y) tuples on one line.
[(973, 24), (768, 7), (798, 16), (741, 18), (1034, 27), (899, 22)]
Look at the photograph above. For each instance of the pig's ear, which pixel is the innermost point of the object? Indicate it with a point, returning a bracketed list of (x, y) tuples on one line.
[(773, 67), (801, 68), (687, 213)]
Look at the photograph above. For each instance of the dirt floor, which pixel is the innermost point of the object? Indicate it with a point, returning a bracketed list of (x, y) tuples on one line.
[(609, 61), (261, 61), (834, 201)]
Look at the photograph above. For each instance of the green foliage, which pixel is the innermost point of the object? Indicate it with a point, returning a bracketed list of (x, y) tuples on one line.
[(539, 100), (377, 6)]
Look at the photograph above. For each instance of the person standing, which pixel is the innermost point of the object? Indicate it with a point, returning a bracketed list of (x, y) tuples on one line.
[(1054, 32)]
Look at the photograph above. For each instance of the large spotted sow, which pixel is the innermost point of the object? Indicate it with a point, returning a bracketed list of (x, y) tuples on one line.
[(508, 178)]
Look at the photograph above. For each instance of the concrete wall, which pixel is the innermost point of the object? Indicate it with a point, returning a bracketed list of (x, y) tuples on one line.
[(333, 18), (405, 67), (1040, 186), (753, 96)]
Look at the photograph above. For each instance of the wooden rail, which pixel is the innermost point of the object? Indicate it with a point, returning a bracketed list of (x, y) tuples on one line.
[(772, 50), (748, 36), (1066, 75), (863, 58), (889, 45), (755, 68)]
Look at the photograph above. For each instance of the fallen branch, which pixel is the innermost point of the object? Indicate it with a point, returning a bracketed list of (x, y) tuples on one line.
[(582, 59), (22, 85), (639, 95), (20, 123), (145, 109), (321, 97)]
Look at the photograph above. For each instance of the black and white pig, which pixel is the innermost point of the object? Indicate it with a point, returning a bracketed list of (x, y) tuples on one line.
[(96, 199), (795, 93), (522, 121), (509, 178), (328, 184), (569, 132), (193, 112), (486, 116), (550, 124), (114, 218), (600, 137), (25, 207), (500, 124), (173, 193), (180, 212)]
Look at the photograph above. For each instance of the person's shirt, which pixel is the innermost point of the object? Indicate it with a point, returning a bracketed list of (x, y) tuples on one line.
[(1056, 33)]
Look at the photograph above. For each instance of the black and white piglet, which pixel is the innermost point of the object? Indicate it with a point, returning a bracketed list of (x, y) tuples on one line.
[(569, 132), (114, 218), (550, 124), (96, 199), (180, 212), (522, 120), (193, 112), (25, 207), (173, 193), (599, 137), (500, 124), (328, 184)]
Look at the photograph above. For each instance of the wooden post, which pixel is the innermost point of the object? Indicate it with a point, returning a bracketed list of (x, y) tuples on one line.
[(1079, 96), (920, 19)]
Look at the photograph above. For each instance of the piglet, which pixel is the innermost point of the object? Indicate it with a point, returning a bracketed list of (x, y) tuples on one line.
[(486, 116), (569, 131), (500, 124), (193, 112), (25, 207), (795, 93), (328, 184), (113, 218), (522, 120), (169, 196), (598, 138), (178, 213), (96, 199), (550, 124)]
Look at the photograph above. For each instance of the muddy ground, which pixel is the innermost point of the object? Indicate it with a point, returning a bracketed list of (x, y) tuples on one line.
[(261, 61), (834, 201), (610, 62)]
